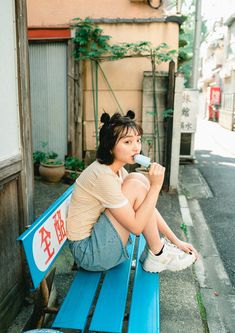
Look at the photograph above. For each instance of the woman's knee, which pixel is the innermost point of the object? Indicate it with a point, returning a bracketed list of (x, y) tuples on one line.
[(135, 191), (139, 177)]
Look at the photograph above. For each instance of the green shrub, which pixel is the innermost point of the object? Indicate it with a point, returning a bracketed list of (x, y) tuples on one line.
[(74, 163)]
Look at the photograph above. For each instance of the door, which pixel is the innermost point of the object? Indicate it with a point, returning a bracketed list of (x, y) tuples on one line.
[(48, 89)]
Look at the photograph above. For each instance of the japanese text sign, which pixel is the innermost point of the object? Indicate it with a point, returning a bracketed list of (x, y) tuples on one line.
[(45, 238), (189, 111)]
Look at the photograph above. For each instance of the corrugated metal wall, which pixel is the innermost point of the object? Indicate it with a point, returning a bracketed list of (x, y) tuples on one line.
[(48, 85)]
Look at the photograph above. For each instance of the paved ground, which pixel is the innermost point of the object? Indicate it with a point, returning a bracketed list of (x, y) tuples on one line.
[(218, 295), (215, 153)]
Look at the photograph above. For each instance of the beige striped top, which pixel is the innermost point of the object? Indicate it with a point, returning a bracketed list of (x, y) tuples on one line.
[(96, 189)]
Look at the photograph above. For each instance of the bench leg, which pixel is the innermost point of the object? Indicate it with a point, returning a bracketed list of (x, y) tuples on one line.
[(41, 300)]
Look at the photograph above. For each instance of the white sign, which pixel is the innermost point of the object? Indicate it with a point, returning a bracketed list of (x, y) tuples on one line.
[(50, 237), (189, 111)]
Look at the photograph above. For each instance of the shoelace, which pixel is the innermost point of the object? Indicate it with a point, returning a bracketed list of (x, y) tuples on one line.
[(171, 246)]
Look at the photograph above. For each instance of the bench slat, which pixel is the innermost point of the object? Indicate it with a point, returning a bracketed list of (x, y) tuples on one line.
[(145, 307), (110, 309), (76, 306)]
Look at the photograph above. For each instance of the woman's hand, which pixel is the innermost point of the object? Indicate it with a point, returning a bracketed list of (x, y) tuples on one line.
[(156, 174), (186, 247)]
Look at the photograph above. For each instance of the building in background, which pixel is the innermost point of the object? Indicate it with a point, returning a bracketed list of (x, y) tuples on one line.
[(61, 90), (217, 75), (227, 74)]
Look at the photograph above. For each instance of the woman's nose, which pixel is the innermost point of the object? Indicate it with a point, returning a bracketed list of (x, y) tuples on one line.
[(136, 146)]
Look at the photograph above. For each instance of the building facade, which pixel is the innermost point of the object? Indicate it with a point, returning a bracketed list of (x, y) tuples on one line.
[(218, 72), (71, 106)]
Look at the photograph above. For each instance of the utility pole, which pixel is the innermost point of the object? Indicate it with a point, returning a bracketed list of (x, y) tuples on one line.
[(197, 41)]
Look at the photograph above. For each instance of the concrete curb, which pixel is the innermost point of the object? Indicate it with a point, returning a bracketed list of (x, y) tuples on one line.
[(218, 295)]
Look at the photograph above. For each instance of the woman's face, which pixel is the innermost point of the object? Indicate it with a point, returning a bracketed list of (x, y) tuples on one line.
[(127, 147)]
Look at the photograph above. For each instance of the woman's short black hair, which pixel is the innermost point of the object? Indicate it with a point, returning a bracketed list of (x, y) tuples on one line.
[(112, 131)]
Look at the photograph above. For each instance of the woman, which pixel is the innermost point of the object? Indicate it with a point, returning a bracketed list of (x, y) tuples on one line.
[(108, 204)]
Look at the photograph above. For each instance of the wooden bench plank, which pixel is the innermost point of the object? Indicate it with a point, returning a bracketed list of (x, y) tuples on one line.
[(76, 306), (110, 309), (145, 307)]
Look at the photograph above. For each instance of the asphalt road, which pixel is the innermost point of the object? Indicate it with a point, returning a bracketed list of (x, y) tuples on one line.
[(215, 154)]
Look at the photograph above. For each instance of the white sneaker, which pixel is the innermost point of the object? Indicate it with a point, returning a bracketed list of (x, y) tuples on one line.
[(172, 258), (164, 241)]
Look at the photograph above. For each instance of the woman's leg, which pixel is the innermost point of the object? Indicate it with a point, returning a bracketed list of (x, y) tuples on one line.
[(135, 187), (170, 259)]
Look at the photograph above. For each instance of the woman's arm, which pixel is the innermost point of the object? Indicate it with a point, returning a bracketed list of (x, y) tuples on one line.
[(135, 221)]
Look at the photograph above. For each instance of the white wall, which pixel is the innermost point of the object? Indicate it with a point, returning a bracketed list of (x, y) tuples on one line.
[(9, 122)]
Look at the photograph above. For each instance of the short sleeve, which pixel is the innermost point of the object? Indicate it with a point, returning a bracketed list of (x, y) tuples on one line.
[(108, 191)]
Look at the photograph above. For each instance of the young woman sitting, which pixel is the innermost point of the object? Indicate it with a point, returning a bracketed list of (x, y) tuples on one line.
[(108, 204)]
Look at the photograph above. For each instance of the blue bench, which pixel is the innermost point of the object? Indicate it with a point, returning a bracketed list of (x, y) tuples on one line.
[(96, 301)]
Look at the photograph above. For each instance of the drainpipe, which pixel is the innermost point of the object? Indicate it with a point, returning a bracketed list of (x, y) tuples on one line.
[(179, 6)]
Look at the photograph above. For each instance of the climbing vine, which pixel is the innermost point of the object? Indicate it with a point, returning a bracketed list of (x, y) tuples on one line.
[(90, 43)]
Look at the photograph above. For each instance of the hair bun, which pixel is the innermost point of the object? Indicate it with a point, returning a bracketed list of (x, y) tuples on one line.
[(105, 118), (130, 114)]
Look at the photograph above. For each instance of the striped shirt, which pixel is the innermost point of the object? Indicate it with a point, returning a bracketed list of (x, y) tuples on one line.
[(96, 189)]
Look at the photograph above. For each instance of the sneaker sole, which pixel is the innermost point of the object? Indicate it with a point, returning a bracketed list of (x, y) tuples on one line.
[(146, 269)]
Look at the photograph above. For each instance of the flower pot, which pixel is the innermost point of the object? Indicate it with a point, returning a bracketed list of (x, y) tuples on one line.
[(51, 173)]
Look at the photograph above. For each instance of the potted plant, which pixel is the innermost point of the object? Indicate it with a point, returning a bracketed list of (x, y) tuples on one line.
[(73, 167), (47, 159), (51, 170), (41, 155)]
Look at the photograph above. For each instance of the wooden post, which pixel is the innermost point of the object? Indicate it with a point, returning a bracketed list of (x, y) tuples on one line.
[(71, 86), (75, 105), (26, 179), (78, 97), (168, 125)]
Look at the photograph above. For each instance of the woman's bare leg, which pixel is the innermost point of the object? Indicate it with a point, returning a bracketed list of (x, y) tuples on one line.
[(135, 188)]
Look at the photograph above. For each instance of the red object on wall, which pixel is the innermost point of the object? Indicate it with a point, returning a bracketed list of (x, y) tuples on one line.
[(49, 33), (214, 103), (213, 112), (215, 95)]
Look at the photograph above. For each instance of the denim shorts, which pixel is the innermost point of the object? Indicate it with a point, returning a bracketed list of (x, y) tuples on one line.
[(102, 250)]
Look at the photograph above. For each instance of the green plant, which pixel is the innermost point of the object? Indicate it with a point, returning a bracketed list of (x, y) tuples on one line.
[(168, 113), (49, 161), (201, 305), (38, 156), (44, 155), (74, 163), (52, 155), (186, 40), (184, 228), (74, 175)]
